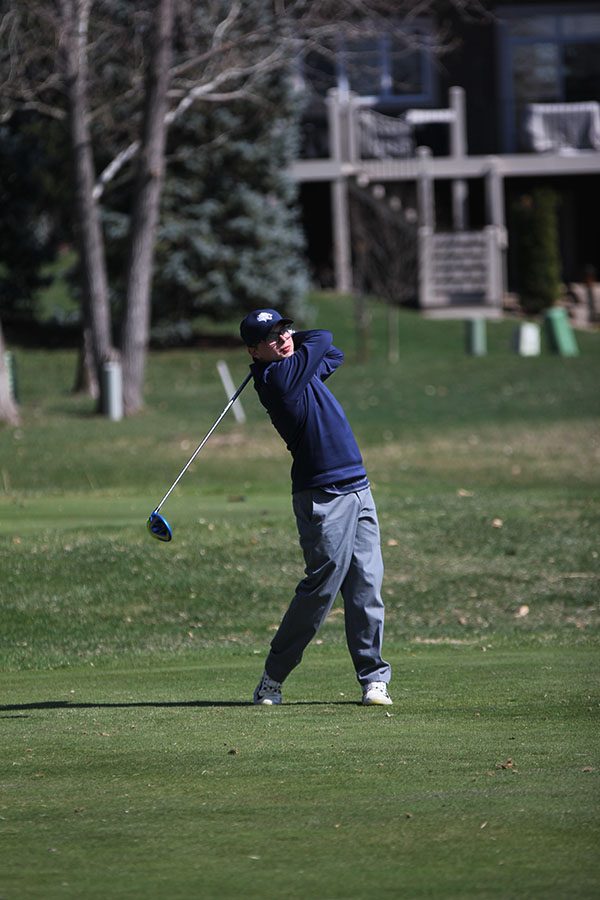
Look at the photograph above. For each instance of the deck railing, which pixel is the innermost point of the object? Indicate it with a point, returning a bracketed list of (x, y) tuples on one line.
[(352, 132)]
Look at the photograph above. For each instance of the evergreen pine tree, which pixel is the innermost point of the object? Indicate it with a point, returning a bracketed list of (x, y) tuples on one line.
[(30, 203), (230, 239)]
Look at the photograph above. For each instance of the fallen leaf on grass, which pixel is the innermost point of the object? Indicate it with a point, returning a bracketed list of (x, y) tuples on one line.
[(588, 769), (392, 543), (497, 523), (507, 764), (338, 611), (522, 611), (461, 492)]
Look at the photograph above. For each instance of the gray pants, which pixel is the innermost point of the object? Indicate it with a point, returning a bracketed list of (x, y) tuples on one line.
[(339, 536)]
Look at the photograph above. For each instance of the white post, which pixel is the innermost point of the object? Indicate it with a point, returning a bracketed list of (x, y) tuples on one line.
[(112, 390), (353, 129), (526, 339), (494, 192), (425, 262), (342, 258), (334, 124), (458, 130), (458, 149), (229, 387), (426, 210), (425, 190), (493, 292), (341, 236)]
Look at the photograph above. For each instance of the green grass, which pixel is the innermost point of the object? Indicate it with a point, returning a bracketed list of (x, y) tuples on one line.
[(132, 763), (163, 781)]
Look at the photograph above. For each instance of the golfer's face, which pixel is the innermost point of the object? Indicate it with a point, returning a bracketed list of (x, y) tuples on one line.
[(277, 345)]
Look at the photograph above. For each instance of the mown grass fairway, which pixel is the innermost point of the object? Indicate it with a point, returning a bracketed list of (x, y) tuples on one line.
[(133, 764), (162, 781)]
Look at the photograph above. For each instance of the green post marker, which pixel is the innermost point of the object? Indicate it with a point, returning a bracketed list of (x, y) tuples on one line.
[(560, 333), (476, 337)]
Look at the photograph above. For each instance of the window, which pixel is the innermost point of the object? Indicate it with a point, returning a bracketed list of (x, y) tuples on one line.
[(378, 69), (547, 55)]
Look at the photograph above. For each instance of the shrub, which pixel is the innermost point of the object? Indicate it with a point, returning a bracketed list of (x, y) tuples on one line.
[(538, 255)]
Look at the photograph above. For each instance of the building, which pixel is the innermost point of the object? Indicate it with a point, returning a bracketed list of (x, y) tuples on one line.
[(453, 143)]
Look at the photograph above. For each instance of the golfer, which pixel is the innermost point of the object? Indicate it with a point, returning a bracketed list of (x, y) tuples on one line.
[(334, 509)]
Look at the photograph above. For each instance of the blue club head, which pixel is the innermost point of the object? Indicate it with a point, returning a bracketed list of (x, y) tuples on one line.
[(158, 527)]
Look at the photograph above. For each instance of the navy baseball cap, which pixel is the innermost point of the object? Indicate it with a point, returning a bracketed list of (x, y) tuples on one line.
[(257, 325)]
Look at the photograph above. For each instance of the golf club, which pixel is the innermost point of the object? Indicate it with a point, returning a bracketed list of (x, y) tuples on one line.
[(157, 525)]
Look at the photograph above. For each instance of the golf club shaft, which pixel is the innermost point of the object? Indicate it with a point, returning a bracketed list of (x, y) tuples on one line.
[(204, 440)]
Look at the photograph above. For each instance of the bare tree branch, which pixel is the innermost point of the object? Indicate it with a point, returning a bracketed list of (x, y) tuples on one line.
[(209, 92), (223, 54)]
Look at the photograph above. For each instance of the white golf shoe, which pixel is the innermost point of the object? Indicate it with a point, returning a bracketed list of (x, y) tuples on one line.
[(376, 694), (267, 692)]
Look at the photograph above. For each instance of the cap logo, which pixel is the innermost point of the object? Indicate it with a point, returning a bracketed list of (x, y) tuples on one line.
[(264, 317)]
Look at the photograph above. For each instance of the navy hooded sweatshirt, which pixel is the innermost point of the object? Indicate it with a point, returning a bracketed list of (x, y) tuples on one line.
[(306, 414)]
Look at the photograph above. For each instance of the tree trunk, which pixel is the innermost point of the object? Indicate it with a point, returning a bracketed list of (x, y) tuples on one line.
[(86, 376), (89, 227), (8, 408), (149, 182)]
